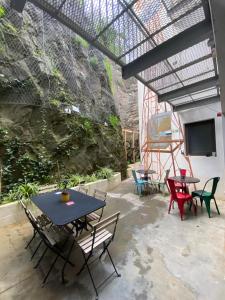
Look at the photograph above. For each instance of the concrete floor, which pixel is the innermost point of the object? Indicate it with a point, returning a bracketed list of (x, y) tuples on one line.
[(158, 256)]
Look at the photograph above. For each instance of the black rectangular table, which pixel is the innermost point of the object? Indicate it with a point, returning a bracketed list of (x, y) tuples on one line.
[(62, 213)]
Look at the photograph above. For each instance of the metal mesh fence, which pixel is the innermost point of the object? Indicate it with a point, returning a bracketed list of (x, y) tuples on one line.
[(125, 30), (41, 62)]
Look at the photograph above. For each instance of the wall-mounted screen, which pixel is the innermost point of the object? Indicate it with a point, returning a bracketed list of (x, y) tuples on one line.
[(200, 138)]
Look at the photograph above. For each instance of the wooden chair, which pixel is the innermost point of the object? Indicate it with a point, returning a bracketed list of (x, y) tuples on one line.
[(100, 236), (47, 188), (55, 239), (82, 189), (94, 216), (42, 220)]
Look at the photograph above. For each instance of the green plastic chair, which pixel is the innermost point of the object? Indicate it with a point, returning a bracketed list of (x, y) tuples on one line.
[(207, 196), (161, 184)]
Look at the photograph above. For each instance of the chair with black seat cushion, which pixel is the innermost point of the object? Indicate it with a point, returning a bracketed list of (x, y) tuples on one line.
[(43, 222), (205, 196), (55, 239)]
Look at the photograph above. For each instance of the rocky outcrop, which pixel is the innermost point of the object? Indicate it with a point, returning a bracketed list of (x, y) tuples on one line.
[(126, 99), (57, 94)]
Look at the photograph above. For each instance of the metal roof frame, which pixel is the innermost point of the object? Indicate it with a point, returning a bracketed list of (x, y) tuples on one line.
[(157, 41)]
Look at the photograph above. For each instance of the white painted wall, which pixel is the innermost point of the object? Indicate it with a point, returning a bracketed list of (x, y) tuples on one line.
[(203, 167), (206, 167)]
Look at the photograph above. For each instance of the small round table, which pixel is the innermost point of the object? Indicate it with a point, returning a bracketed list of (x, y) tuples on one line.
[(143, 172), (185, 180)]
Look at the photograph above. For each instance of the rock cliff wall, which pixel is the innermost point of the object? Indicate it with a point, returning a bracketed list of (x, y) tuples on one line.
[(59, 98)]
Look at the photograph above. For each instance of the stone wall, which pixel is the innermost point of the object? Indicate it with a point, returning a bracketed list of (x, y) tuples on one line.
[(57, 95)]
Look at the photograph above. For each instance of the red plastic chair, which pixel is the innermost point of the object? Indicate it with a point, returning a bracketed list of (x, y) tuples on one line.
[(179, 186), (180, 198)]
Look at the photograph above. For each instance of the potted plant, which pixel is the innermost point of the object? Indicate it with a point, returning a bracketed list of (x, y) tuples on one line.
[(65, 196)]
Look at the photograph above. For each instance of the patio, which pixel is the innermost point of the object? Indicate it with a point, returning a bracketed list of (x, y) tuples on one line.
[(158, 256)]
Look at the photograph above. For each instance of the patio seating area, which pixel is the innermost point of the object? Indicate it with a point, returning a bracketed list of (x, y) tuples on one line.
[(157, 256), (112, 150)]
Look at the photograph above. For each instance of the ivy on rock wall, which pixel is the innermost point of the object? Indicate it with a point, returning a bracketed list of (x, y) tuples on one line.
[(70, 142), (45, 69)]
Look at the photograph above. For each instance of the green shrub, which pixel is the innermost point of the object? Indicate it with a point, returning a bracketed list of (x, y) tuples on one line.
[(75, 180), (11, 28), (18, 165), (11, 196), (108, 68), (26, 190), (87, 127), (90, 178), (56, 73), (114, 121), (80, 41), (39, 52), (104, 173), (94, 61), (20, 192), (55, 102), (2, 11)]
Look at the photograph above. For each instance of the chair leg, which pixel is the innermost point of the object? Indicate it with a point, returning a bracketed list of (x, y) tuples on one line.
[(40, 259), (36, 250), (85, 262), (170, 205), (201, 200), (216, 206), (28, 244), (119, 275), (66, 261), (50, 269), (207, 204), (89, 271), (195, 207), (181, 209)]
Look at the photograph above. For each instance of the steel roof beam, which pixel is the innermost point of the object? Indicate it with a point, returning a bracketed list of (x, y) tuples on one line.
[(151, 36), (181, 68), (18, 5), (196, 104), (180, 42), (180, 6), (189, 89), (218, 21)]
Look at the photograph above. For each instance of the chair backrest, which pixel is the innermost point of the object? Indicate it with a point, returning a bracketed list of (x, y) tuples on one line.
[(36, 226), (167, 172), (47, 188), (32, 219), (214, 185), (100, 195), (82, 189), (172, 188), (101, 225), (21, 202), (134, 175)]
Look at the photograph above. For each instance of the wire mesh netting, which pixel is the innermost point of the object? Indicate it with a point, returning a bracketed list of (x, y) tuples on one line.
[(125, 30), (44, 63)]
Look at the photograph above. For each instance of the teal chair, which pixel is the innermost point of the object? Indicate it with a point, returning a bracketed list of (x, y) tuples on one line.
[(205, 196), (139, 183), (161, 185)]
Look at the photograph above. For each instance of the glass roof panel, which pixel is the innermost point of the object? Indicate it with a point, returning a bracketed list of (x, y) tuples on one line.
[(125, 30)]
